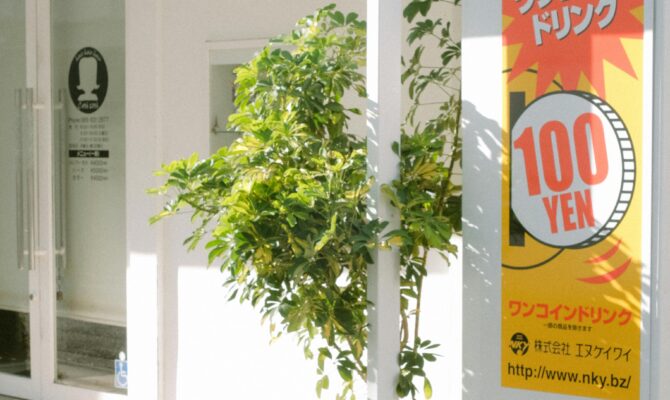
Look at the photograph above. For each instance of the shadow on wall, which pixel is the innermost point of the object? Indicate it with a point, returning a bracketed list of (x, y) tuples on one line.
[(481, 209)]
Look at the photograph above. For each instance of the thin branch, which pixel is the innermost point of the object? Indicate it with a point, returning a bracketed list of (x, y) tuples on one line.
[(419, 295)]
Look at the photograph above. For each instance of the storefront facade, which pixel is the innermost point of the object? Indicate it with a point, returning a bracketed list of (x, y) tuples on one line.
[(97, 304)]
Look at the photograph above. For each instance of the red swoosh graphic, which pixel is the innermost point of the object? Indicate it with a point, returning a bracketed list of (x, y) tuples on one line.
[(605, 256), (608, 277)]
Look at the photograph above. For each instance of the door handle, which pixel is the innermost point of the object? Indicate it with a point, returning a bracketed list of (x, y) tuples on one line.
[(60, 162), (25, 179)]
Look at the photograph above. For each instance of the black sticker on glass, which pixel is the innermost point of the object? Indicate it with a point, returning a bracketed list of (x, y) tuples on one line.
[(88, 80)]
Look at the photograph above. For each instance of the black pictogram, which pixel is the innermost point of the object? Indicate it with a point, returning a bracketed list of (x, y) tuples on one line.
[(88, 80)]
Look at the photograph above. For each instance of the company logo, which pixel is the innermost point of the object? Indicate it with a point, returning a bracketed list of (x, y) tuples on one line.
[(519, 344), (573, 173), (88, 80)]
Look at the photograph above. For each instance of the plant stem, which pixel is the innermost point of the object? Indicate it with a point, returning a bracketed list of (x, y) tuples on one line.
[(404, 329), (360, 367), (457, 132), (419, 293)]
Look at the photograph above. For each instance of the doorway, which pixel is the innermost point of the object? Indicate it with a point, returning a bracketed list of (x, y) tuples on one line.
[(62, 240)]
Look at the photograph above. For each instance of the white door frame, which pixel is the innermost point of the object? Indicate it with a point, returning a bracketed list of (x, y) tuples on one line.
[(13, 385)]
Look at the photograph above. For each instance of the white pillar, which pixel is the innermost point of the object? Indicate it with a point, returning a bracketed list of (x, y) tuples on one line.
[(384, 117), (482, 135), (143, 241), (660, 324)]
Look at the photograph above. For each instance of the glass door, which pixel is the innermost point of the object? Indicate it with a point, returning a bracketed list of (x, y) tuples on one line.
[(62, 203), (89, 270), (17, 207)]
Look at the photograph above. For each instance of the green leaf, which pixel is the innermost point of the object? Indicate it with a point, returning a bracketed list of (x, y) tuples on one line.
[(160, 216), (308, 353), (321, 361), (319, 388), (391, 194), (432, 237), (192, 160), (345, 373), (411, 10), (338, 17), (427, 389), (415, 7), (215, 253), (403, 387)]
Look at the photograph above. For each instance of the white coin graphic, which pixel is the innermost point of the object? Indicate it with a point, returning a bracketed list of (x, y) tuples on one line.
[(573, 169)]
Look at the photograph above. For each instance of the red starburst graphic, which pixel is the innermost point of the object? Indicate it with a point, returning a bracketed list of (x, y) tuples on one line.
[(565, 39)]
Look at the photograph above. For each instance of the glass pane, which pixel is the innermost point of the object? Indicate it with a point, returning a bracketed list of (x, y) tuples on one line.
[(89, 135), (15, 144), (222, 65), (221, 103)]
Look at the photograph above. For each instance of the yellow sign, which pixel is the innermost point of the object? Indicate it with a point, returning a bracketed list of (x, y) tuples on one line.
[(572, 198)]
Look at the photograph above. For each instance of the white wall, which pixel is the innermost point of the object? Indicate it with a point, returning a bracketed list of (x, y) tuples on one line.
[(211, 349)]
